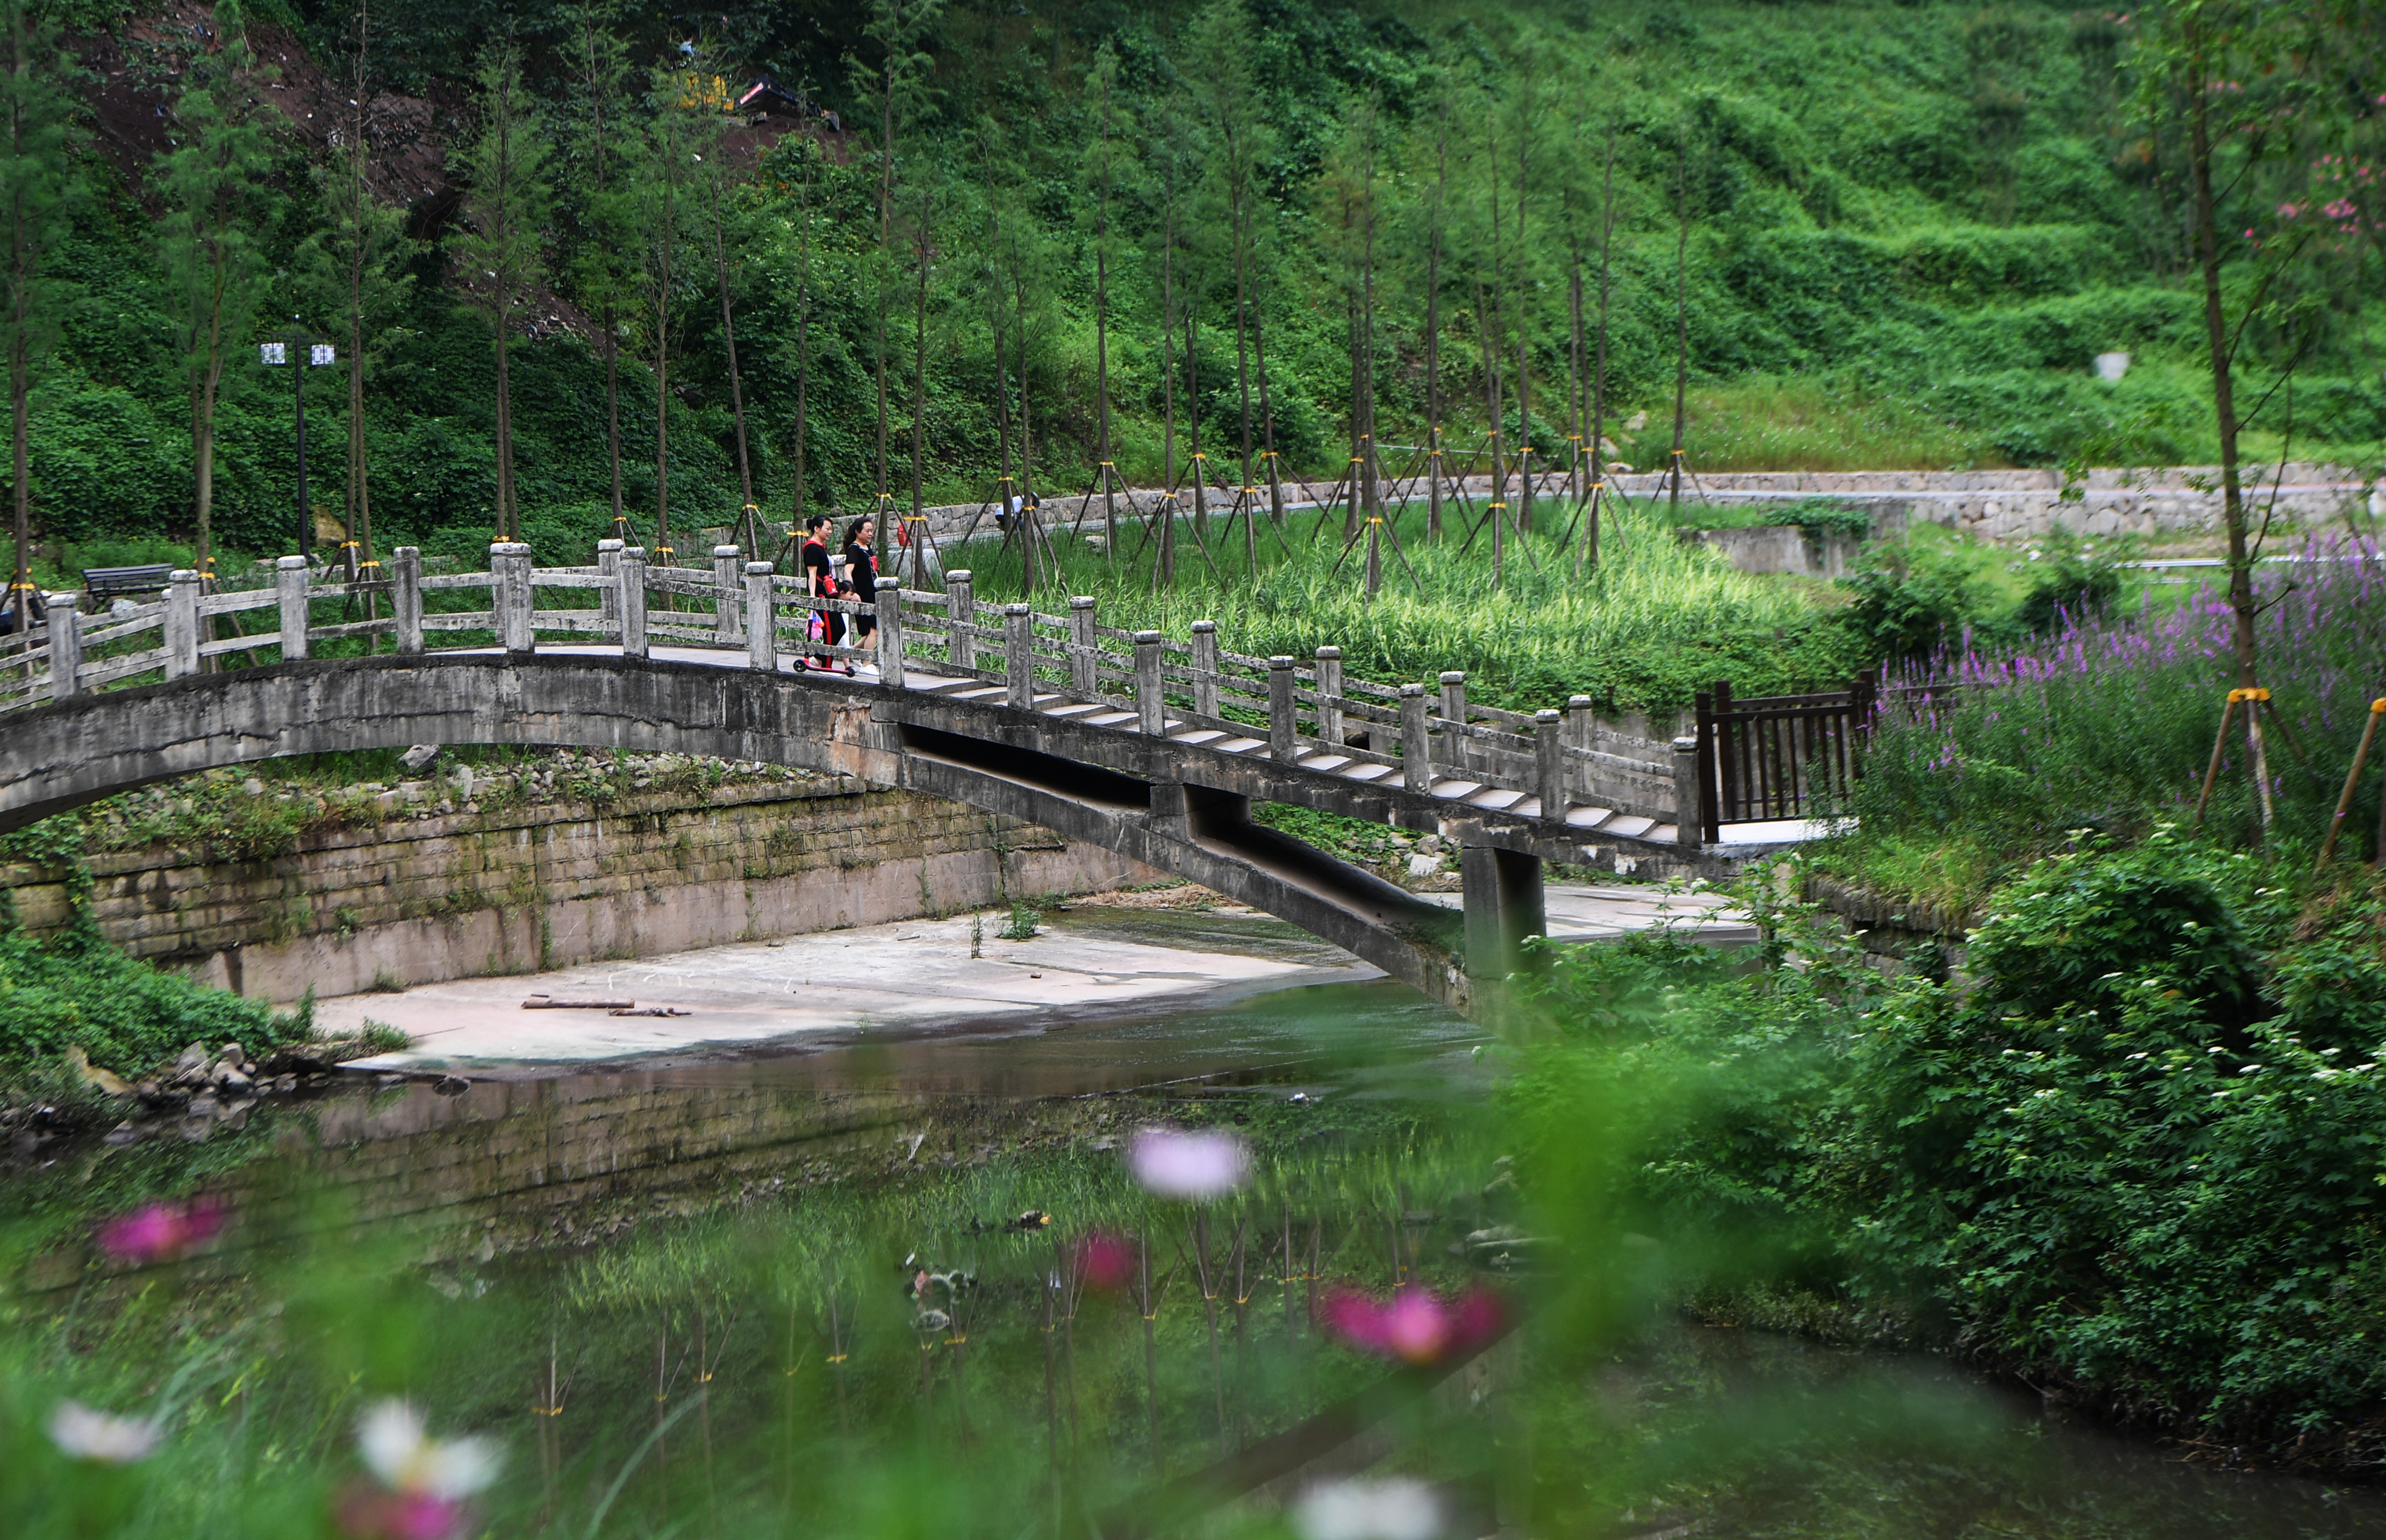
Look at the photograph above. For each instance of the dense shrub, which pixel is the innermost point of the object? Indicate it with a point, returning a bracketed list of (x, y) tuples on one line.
[(77, 991), (2136, 1156)]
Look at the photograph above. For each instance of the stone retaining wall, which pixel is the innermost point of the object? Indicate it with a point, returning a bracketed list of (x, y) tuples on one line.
[(1997, 505), (420, 899), (1897, 935)]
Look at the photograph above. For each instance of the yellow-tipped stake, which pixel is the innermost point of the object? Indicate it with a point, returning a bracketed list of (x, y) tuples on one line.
[(2220, 744), (2351, 778)]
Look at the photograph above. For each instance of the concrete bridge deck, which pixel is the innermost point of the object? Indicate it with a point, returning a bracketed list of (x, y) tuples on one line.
[(1153, 748)]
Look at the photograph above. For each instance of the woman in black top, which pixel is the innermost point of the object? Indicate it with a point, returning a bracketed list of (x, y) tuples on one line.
[(819, 581), (861, 577)]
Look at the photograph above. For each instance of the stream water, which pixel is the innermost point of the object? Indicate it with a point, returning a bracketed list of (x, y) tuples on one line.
[(692, 1274)]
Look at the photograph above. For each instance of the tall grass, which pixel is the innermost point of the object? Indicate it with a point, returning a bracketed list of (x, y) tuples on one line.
[(2109, 725), (1804, 423), (1653, 623)]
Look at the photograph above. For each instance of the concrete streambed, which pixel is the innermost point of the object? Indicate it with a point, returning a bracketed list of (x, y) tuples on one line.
[(911, 978)]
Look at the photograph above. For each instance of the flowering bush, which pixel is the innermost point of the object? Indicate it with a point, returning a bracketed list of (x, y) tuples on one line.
[(2108, 723)]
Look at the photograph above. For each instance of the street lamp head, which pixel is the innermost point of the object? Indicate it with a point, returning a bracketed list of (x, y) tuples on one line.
[(272, 353)]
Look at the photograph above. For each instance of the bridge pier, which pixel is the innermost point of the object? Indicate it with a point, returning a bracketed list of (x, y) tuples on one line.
[(1186, 812), (1503, 905)]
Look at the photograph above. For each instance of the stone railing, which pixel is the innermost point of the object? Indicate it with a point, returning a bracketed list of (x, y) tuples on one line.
[(1306, 712)]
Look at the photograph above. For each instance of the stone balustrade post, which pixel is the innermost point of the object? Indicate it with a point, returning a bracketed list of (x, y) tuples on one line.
[(608, 600), (1456, 751), (1416, 745), (1205, 668), (1150, 704), (728, 610), (1690, 810), (1019, 655), (960, 615), (66, 650), (1283, 720), (633, 590), (406, 597), (290, 580), (761, 626), (890, 600), (509, 588), (1329, 697), (1085, 668), (1579, 717), (182, 624), (1549, 756)]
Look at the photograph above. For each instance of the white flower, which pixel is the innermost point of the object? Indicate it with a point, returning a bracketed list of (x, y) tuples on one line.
[(88, 1434), (1175, 1164), (1396, 1508), (395, 1449)]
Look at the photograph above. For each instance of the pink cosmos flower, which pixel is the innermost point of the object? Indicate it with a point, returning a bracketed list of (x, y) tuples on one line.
[(366, 1512), (1172, 1163), (1104, 1260), (1417, 1326), (161, 1232), (424, 1481)]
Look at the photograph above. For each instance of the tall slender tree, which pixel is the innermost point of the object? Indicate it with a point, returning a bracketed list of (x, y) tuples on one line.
[(2229, 89), (1436, 234), (37, 184), (1222, 43), (1526, 96), (600, 141), (662, 199), (502, 252), (808, 157), (352, 273), (708, 104), (900, 80), (212, 184), (1682, 309), (1599, 358), (1104, 77)]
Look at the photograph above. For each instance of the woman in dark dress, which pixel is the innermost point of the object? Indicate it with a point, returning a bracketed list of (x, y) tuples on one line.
[(819, 581), (861, 577)]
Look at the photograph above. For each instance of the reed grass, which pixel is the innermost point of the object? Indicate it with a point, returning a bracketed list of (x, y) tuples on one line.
[(1650, 623)]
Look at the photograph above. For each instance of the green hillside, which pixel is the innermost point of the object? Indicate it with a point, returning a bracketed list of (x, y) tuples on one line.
[(1910, 227)]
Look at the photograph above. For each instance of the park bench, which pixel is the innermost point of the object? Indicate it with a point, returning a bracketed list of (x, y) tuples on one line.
[(105, 583)]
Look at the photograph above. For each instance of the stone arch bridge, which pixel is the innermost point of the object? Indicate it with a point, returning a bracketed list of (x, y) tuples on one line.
[(1155, 748)]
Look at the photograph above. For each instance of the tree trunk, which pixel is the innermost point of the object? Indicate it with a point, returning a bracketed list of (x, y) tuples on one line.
[(920, 380), (1599, 360), (19, 392), (509, 525), (886, 236), (1681, 313), (2224, 399), (803, 333), (729, 337), (1433, 451)]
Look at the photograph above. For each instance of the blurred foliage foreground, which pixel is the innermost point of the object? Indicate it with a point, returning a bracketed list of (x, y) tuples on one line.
[(2132, 1160)]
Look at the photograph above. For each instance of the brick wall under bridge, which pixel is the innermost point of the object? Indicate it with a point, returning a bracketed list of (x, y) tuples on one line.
[(420, 899)]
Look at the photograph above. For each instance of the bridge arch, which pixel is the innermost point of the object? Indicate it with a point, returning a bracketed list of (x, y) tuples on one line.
[(61, 755)]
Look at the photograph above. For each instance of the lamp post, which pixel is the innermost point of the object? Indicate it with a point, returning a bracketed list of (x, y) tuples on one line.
[(284, 351)]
